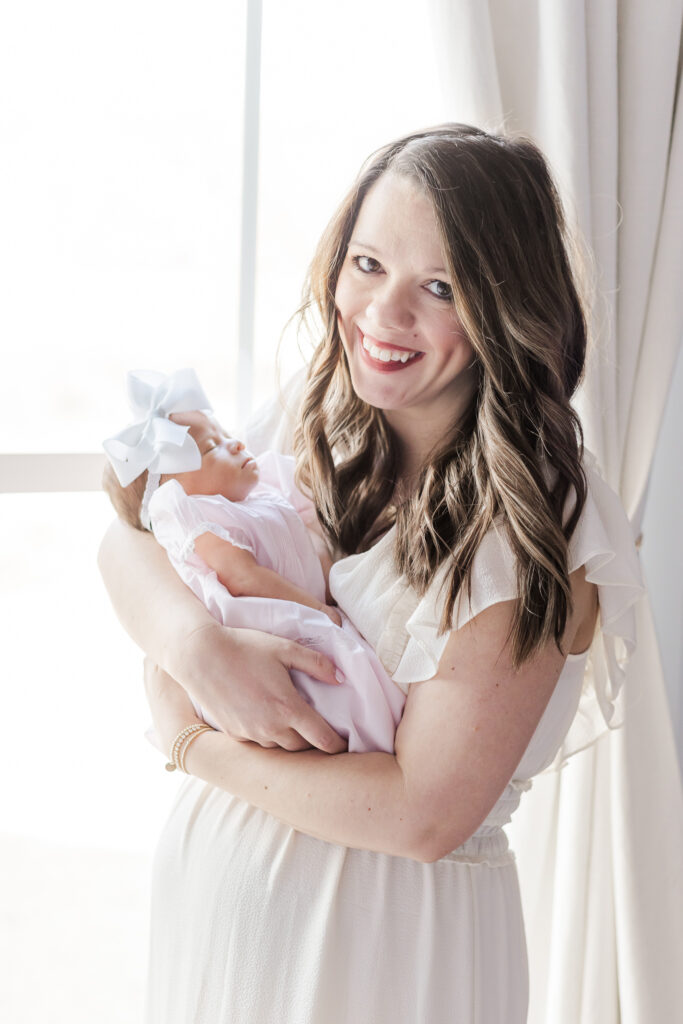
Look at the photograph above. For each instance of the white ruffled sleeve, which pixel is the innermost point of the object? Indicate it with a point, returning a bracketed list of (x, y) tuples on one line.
[(178, 519), (603, 543), (493, 580)]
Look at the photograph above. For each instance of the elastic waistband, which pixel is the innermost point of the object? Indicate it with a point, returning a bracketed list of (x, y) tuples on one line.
[(489, 846)]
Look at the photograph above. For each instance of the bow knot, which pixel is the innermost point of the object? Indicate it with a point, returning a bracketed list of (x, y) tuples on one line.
[(154, 442)]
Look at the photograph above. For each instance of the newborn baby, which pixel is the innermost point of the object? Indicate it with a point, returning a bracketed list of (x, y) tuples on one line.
[(232, 530)]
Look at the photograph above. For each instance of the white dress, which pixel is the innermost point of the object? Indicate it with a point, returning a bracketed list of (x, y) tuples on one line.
[(254, 922)]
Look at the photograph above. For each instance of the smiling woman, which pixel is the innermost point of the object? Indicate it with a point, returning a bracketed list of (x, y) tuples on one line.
[(406, 349), (470, 540)]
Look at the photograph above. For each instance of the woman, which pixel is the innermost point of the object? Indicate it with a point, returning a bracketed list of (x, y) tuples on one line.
[(472, 548)]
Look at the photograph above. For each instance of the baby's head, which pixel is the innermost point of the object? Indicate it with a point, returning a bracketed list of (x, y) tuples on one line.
[(226, 468)]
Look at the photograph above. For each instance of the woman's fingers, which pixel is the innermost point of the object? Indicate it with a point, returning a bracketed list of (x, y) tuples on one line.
[(295, 725), (303, 720), (289, 740), (314, 730), (240, 677), (313, 663)]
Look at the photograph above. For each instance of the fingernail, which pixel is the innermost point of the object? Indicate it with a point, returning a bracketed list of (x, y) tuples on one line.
[(339, 676)]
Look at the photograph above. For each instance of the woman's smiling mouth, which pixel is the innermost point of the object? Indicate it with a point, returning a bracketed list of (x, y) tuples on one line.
[(382, 356)]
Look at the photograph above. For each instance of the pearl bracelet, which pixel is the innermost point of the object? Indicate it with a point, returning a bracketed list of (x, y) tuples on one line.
[(181, 744)]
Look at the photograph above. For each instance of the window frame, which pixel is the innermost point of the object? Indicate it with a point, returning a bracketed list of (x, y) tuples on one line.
[(23, 472)]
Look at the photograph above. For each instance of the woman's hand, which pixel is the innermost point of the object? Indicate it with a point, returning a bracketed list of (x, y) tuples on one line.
[(241, 677)]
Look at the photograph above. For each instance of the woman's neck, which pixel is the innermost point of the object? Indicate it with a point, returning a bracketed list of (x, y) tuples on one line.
[(419, 431), (415, 449)]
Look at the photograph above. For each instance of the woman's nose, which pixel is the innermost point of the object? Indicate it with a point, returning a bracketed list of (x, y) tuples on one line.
[(390, 307), (235, 446)]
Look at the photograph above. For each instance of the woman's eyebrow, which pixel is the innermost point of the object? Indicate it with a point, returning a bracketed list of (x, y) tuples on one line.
[(363, 245), (371, 248)]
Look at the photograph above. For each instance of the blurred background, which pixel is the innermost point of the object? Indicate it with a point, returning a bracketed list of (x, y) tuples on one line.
[(127, 145)]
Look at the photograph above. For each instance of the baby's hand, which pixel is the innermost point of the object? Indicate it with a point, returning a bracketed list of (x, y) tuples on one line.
[(332, 613)]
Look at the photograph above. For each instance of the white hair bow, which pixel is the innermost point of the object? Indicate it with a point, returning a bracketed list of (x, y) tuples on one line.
[(153, 441)]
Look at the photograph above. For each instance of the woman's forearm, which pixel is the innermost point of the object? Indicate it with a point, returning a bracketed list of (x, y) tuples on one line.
[(141, 581), (357, 800)]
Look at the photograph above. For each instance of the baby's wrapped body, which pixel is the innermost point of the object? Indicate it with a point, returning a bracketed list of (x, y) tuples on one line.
[(366, 707)]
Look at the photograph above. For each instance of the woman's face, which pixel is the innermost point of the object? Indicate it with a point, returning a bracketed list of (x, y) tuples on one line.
[(227, 467), (407, 353)]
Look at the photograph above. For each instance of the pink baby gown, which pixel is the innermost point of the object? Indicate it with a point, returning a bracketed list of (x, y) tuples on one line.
[(366, 708)]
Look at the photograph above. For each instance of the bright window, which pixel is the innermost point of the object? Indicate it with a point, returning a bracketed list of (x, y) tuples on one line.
[(120, 135), (121, 163)]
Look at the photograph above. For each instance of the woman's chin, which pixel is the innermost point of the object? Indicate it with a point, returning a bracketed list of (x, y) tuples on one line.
[(380, 392)]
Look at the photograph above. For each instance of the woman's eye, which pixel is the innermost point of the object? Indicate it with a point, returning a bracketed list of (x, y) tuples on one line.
[(209, 447), (440, 289), (366, 264)]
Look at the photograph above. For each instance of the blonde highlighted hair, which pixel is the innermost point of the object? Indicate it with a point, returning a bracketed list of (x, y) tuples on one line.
[(514, 458)]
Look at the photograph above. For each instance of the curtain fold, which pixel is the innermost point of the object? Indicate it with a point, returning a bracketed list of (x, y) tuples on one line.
[(600, 845)]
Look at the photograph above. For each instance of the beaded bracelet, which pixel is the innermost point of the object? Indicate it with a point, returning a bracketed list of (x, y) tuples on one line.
[(181, 744)]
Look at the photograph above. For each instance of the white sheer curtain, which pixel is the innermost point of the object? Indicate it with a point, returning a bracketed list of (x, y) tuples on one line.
[(600, 845)]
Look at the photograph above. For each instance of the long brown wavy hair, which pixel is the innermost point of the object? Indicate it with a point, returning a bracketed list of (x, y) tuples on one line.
[(514, 458)]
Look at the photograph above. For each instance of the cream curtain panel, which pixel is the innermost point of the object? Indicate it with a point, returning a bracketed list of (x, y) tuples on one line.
[(600, 845)]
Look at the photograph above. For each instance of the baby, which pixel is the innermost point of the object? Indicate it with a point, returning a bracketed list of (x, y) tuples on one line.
[(232, 528)]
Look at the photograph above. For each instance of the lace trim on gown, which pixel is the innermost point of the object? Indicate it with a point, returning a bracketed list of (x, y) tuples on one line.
[(177, 520)]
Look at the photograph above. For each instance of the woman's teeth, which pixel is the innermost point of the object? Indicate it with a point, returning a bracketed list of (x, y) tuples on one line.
[(386, 355)]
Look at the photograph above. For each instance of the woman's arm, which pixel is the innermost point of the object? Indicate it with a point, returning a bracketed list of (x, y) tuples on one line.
[(239, 571), (240, 676), (461, 737), (141, 582)]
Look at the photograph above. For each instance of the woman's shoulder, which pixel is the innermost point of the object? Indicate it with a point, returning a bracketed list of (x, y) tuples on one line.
[(602, 536), (602, 543)]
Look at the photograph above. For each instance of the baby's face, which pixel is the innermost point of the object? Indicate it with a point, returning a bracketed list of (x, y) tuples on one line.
[(227, 467)]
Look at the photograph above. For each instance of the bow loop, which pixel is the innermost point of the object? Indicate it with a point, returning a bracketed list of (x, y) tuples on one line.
[(153, 441)]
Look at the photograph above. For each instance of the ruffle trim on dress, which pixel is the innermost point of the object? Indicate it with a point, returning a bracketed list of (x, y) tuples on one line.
[(489, 844), (493, 580), (178, 519), (603, 543), (187, 548)]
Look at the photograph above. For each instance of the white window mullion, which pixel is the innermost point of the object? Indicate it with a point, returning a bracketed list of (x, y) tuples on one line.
[(250, 169), (24, 472)]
